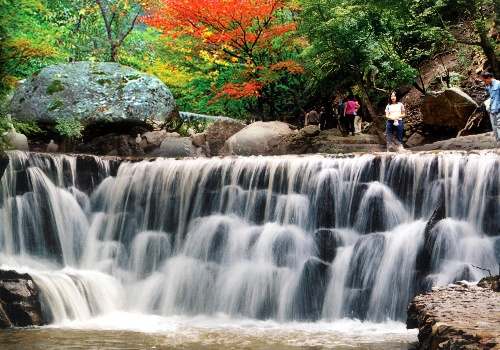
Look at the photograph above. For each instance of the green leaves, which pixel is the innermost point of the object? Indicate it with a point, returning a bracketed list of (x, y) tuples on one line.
[(70, 128)]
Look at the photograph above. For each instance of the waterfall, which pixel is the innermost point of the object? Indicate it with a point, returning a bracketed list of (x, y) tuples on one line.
[(284, 238)]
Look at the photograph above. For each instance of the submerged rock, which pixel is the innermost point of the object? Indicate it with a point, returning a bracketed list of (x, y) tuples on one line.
[(19, 301), (310, 295), (93, 92), (327, 241)]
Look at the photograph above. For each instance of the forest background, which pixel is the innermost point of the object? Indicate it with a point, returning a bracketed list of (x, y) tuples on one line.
[(252, 59)]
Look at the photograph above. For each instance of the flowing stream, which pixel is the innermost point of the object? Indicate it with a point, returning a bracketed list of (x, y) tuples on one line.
[(257, 252)]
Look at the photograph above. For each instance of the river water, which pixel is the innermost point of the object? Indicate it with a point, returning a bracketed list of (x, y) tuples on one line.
[(134, 331)]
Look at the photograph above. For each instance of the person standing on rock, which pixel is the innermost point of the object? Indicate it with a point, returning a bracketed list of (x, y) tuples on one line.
[(350, 111), (395, 111), (493, 89), (312, 118)]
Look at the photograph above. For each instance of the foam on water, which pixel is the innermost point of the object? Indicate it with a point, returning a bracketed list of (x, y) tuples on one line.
[(223, 329)]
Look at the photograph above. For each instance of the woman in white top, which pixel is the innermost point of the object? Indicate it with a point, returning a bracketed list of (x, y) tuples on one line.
[(395, 111)]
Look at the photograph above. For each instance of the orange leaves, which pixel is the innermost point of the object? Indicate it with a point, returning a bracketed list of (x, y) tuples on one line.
[(241, 90), (240, 25), (245, 33)]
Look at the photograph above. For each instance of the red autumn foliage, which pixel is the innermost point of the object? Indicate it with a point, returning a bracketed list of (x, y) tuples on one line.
[(241, 90), (239, 27)]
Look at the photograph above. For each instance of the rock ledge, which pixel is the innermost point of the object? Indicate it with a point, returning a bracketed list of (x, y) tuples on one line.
[(460, 316)]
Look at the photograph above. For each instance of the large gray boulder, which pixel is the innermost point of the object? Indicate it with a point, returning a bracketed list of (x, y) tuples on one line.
[(259, 138), (450, 108), (93, 92)]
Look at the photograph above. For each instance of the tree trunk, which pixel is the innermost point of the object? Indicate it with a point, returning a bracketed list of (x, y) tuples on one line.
[(113, 52), (378, 122), (489, 51)]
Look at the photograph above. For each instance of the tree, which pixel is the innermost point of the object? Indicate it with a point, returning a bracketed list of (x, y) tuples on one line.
[(354, 45), (120, 18), (255, 36)]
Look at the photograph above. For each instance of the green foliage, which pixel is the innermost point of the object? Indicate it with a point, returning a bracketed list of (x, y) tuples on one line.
[(28, 128), (369, 46), (70, 128)]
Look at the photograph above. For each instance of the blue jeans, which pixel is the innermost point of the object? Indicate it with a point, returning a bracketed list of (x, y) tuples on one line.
[(391, 128), (495, 124)]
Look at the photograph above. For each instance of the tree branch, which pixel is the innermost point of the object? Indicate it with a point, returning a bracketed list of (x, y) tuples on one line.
[(131, 27)]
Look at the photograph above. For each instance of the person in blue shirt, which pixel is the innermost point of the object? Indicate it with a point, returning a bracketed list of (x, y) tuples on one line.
[(493, 89)]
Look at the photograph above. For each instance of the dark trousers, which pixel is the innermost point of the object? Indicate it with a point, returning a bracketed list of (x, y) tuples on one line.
[(390, 129), (350, 123)]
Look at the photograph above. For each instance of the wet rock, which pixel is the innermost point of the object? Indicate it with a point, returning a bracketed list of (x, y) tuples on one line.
[(257, 139), (218, 243), (327, 241), (450, 108), (93, 92), (218, 132), (4, 319), (363, 267), (424, 256), (310, 294), (4, 163), (90, 171), (324, 204), (459, 316), (19, 300), (492, 282), (283, 250)]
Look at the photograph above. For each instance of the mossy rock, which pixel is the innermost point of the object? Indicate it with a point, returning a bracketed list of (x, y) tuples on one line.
[(55, 86), (55, 105), (93, 92)]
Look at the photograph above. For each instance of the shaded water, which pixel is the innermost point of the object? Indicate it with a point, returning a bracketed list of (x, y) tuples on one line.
[(282, 239)]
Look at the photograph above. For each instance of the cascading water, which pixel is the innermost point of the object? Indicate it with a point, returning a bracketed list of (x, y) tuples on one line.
[(284, 238)]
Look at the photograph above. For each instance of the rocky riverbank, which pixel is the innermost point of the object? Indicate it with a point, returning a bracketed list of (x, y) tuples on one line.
[(460, 316)]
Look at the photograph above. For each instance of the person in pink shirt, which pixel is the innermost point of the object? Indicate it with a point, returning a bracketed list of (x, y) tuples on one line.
[(350, 111)]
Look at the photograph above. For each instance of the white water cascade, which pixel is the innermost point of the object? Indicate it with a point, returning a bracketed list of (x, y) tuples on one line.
[(283, 238)]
